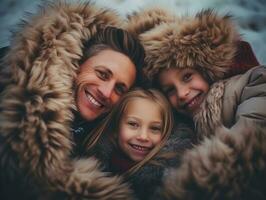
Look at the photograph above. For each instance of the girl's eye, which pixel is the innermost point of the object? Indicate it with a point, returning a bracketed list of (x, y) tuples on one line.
[(156, 129), (133, 124), (102, 75), (187, 77), (169, 91)]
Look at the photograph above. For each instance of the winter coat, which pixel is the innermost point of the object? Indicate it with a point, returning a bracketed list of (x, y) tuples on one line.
[(230, 161), (36, 108), (149, 177), (234, 102)]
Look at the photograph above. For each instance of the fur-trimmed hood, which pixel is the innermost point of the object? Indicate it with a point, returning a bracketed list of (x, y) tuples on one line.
[(205, 41), (37, 100)]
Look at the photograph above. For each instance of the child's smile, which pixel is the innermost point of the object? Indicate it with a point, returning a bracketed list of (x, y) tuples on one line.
[(185, 88)]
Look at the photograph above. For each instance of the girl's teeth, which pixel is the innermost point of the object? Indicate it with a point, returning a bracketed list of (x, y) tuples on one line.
[(140, 148)]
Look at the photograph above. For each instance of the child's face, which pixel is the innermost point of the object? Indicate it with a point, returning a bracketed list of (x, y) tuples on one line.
[(185, 89), (140, 128)]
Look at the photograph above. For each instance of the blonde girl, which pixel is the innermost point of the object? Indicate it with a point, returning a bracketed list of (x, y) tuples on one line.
[(137, 128)]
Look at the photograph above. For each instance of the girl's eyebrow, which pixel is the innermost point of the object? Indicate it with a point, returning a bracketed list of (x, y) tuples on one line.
[(157, 122)]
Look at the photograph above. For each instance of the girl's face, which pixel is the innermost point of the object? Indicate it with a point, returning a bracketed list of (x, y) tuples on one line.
[(102, 80), (140, 128), (185, 89)]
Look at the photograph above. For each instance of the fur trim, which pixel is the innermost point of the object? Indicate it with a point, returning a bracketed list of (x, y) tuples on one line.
[(36, 107), (146, 20), (206, 42), (228, 166), (209, 116)]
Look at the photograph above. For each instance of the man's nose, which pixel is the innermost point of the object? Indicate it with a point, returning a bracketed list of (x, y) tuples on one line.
[(107, 89)]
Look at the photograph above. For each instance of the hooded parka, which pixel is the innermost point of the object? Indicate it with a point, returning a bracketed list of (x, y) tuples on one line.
[(36, 108), (229, 162)]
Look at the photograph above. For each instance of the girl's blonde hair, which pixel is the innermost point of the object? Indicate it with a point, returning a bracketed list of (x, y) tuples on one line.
[(111, 123)]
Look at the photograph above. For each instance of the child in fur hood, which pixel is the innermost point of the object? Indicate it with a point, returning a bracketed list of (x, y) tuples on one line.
[(134, 140), (190, 58)]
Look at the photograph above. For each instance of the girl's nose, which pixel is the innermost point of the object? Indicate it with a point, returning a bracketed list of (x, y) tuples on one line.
[(143, 135), (183, 92)]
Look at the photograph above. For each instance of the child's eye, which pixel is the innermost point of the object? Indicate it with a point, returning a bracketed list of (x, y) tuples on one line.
[(187, 77), (133, 124), (169, 90), (156, 129)]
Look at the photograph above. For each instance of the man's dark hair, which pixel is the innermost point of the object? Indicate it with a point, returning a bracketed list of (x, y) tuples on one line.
[(118, 40)]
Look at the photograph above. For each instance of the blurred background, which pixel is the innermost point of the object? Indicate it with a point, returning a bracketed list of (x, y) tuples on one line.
[(249, 15)]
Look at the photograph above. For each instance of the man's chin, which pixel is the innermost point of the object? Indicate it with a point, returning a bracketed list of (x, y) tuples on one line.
[(90, 116)]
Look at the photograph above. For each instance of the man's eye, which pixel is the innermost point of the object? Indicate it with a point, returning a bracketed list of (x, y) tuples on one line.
[(120, 89), (102, 75)]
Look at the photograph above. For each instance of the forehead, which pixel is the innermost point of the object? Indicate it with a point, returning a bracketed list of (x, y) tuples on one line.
[(119, 64), (145, 109), (170, 75)]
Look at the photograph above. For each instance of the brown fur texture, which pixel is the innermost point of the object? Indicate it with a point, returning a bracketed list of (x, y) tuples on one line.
[(227, 163), (139, 23), (37, 100), (205, 41), (227, 166), (209, 116)]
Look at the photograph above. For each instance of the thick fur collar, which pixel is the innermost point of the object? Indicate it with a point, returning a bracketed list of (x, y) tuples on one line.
[(227, 166), (205, 41), (209, 116), (37, 102)]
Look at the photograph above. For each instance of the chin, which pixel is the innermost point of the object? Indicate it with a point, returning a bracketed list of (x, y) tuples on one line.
[(88, 116)]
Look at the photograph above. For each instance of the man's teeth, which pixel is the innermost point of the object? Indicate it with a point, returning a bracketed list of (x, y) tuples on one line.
[(92, 100), (140, 148)]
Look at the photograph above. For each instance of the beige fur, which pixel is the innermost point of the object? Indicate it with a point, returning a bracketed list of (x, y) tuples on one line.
[(206, 41), (37, 103), (209, 116), (144, 21), (227, 166)]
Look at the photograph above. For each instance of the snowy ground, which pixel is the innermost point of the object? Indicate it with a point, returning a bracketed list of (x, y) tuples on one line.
[(250, 15)]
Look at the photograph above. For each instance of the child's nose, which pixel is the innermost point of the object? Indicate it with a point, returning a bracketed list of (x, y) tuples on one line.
[(143, 135), (183, 92)]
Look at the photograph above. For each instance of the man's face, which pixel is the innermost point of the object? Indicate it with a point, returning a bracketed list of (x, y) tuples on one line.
[(102, 80)]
